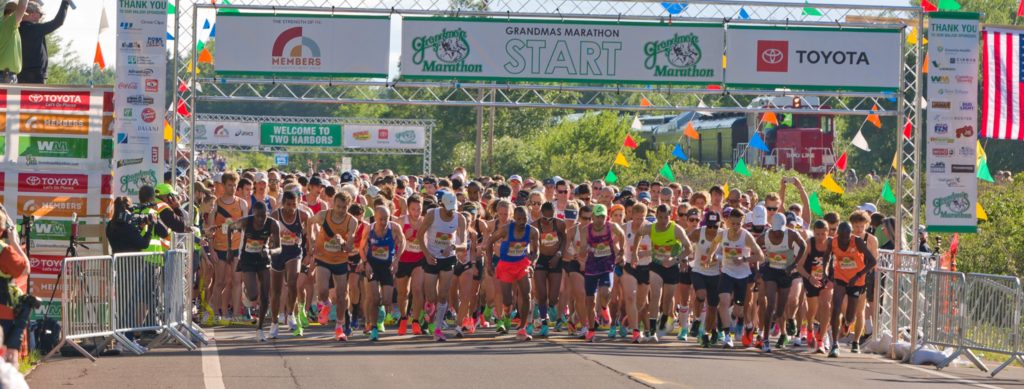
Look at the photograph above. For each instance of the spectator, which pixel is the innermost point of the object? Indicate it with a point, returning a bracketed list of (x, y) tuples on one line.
[(35, 58), (10, 41), (124, 232), (10, 377), (14, 269)]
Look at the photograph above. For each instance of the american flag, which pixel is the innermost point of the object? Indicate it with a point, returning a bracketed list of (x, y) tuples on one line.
[(1002, 102)]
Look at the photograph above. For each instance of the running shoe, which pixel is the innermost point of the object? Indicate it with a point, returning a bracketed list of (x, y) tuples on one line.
[(559, 324), (637, 337), (834, 352), (348, 331), (821, 347), (501, 328), (791, 327), (374, 335), (727, 341), (695, 327), (623, 332), (439, 336), (339, 333), (581, 334), (522, 335), (748, 337), (302, 318), (458, 332), (606, 316), (297, 332), (273, 331), (260, 336), (612, 331), (280, 318), (683, 332), (291, 322), (776, 331), (811, 341), (767, 347), (855, 347), (417, 329), (781, 344), (705, 341), (590, 336), (529, 329), (325, 314), (759, 343), (472, 326), (403, 326), (543, 330), (653, 337)]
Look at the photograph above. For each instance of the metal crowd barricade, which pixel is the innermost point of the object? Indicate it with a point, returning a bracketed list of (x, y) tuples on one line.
[(138, 295), (176, 292), (185, 243), (86, 310), (898, 279), (992, 317), (944, 306)]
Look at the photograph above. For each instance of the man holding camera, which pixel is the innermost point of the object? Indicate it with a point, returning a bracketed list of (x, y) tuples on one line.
[(14, 269), (149, 206)]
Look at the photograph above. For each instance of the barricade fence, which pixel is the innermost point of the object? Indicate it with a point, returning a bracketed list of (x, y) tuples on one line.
[(115, 298)]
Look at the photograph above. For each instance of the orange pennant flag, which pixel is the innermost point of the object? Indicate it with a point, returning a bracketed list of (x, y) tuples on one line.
[(205, 56), (690, 132), (873, 117), (769, 117), (98, 58), (644, 102), (924, 69)]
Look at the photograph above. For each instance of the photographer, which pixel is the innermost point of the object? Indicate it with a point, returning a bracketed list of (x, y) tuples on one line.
[(14, 269), (150, 208), (126, 232), (169, 209)]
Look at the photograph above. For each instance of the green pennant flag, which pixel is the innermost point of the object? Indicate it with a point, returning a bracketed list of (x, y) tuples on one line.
[(228, 10), (983, 173), (611, 178), (887, 193), (666, 171), (815, 204), (811, 11), (170, 8), (200, 46), (787, 119), (741, 168), (949, 5)]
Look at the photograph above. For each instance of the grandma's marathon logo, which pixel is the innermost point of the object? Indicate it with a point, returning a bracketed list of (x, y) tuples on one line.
[(406, 137), (450, 50), (954, 206), (131, 183), (682, 54), (292, 49)]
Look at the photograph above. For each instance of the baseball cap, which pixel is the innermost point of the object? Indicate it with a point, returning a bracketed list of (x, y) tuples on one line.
[(644, 196), (791, 218), (261, 177), (218, 178), (165, 189), (504, 191), (556, 179), (666, 191), (600, 210), (759, 215), (346, 177), (778, 222), (868, 207), (448, 201), (316, 180), (549, 182), (711, 219), (515, 177), (373, 191)]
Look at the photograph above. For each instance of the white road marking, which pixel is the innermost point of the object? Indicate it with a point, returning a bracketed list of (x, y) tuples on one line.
[(213, 378), (936, 373)]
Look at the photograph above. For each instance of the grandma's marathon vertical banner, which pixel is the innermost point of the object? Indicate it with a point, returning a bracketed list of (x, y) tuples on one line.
[(139, 98), (952, 122), (55, 153)]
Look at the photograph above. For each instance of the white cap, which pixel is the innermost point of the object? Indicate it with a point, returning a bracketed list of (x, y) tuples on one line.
[(515, 177), (261, 177), (759, 216), (373, 191), (778, 222), (868, 207), (448, 201)]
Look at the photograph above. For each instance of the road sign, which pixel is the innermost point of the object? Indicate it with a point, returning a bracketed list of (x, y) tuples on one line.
[(294, 134), (281, 159)]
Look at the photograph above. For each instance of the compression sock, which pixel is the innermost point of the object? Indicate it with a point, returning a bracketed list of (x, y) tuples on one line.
[(662, 321)]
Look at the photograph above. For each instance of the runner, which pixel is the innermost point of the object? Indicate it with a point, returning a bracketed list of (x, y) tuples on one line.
[(380, 247), (636, 279), (670, 245), (859, 223), (262, 241), (465, 293), (779, 244), (572, 265), (548, 268), (517, 252), (705, 273), (686, 301), (227, 210), (285, 267), (853, 260), (440, 227), (409, 275), (331, 245), (739, 250), (816, 269), (601, 249)]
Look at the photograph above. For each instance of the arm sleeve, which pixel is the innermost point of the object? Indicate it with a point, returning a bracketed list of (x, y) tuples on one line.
[(13, 263), (173, 220), (57, 22)]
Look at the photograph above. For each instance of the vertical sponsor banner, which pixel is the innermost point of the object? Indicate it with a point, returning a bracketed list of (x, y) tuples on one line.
[(952, 122), (139, 96)]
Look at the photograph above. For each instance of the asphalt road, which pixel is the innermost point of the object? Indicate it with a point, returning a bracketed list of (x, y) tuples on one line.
[(234, 360)]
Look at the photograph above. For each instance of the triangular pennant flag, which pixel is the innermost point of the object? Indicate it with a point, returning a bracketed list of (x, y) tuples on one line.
[(873, 117), (831, 184), (895, 160), (924, 68), (741, 168), (1020, 8), (205, 56), (814, 203), (702, 105), (949, 5), (213, 31), (811, 11), (769, 117), (621, 160), (758, 143), (725, 61), (190, 68), (982, 215), (629, 142), (666, 171), (725, 188), (859, 142), (674, 8), (912, 37), (927, 6), (206, 24), (97, 58), (644, 102), (104, 23), (611, 178), (182, 108), (924, 103), (743, 13), (170, 37), (841, 163), (170, 8), (637, 125), (887, 194), (229, 10), (200, 46), (678, 153), (787, 119), (182, 87), (981, 153), (983, 173), (908, 130), (168, 131), (691, 132)]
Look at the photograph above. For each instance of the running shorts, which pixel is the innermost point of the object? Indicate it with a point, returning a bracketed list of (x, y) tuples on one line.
[(353, 263), (811, 290), (779, 276), (572, 267), (852, 292), (592, 283), (252, 264), (443, 264), (509, 272), (405, 268), (548, 263), (685, 276), (642, 273), (278, 263), (735, 286), (336, 270), (381, 272), (669, 275), (462, 268), (221, 255), (709, 284)]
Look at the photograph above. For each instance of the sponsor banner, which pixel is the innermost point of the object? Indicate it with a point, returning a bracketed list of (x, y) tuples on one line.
[(551, 50), (46, 264), (140, 96), (44, 286), (813, 58), (52, 147), (307, 45), (227, 133), (952, 122), (38, 123), (49, 206), (295, 134), (108, 125), (54, 100), (363, 136), (53, 183), (47, 308)]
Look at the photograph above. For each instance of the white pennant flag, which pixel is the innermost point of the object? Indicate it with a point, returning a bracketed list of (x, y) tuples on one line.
[(104, 24), (702, 105), (637, 126), (860, 142), (924, 103)]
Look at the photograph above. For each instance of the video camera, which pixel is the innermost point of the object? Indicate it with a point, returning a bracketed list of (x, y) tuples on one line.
[(133, 215)]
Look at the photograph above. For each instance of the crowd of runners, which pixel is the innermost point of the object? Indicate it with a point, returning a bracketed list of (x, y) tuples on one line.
[(382, 254)]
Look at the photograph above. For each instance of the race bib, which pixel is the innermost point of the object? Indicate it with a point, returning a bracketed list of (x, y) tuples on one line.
[(443, 239), (289, 239), (253, 246), (602, 250), (413, 247), (708, 262), (733, 253), (332, 246), (549, 239), (380, 252), (777, 260), (662, 253), (817, 272), (517, 249), (847, 263)]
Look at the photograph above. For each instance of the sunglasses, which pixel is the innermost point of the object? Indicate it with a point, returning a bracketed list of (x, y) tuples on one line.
[(533, 204), (587, 218), (584, 198), (693, 220), (772, 209), (563, 191)]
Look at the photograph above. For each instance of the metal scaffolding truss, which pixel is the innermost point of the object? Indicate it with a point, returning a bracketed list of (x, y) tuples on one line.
[(426, 152), (571, 96)]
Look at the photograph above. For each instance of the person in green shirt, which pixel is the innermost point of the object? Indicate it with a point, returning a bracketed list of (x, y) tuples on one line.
[(10, 41)]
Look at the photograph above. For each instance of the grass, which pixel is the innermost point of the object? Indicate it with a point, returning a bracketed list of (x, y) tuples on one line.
[(26, 364)]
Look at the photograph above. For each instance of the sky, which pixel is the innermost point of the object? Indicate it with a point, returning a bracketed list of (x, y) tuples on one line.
[(81, 28)]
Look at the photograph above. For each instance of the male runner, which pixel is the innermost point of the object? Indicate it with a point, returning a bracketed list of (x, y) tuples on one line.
[(517, 252), (738, 250), (706, 271), (816, 269), (440, 227), (636, 278), (262, 240), (409, 275), (228, 209), (331, 245), (670, 245), (380, 247), (779, 243), (285, 267), (548, 268), (601, 249), (853, 260)]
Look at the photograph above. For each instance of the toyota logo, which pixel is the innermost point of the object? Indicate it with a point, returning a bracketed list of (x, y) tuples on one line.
[(772, 56), (33, 180), (35, 98)]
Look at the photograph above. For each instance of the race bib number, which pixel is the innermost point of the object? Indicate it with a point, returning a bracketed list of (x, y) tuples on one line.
[(253, 246), (289, 239), (602, 250), (662, 253), (380, 252), (413, 247), (332, 246), (777, 260), (517, 249), (442, 239), (549, 239), (818, 272), (733, 253), (707, 262), (847, 263)]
